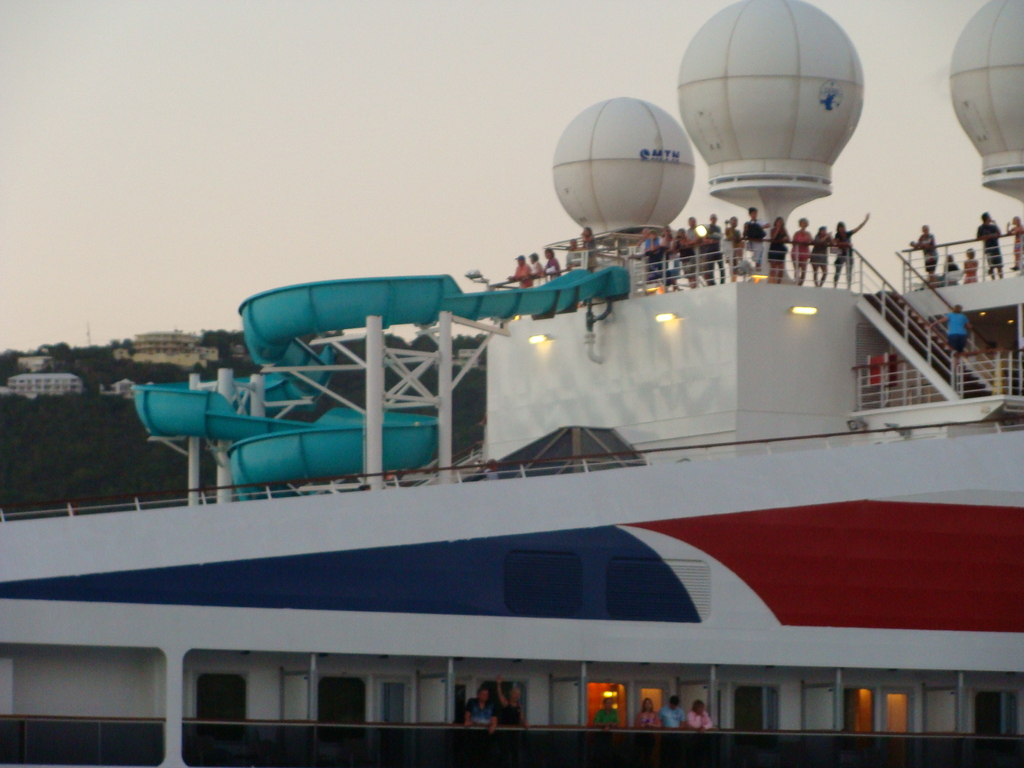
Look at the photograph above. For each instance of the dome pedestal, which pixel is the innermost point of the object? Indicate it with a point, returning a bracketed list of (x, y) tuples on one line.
[(772, 193), (1008, 180)]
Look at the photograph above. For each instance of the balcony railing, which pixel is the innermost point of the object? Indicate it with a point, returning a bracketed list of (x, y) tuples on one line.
[(80, 741), (485, 472), (922, 268), (443, 746), (888, 381)]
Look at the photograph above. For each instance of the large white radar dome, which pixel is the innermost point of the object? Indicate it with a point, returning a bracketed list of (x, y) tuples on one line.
[(987, 85), (770, 91), (623, 163)]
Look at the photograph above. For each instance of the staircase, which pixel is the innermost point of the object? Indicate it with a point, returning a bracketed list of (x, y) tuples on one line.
[(913, 338)]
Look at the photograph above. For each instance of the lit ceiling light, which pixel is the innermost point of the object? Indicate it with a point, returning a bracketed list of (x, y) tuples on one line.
[(664, 317), (608, 694), (804, 310), (983, 313), (539, 338), (1010, 322)]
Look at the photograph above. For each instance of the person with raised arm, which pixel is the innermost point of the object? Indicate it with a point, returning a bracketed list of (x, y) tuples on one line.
[(843, 240)]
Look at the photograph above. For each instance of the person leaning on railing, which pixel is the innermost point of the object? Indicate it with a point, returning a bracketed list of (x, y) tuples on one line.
[(819, 256), (1017, 230), (926, 244)]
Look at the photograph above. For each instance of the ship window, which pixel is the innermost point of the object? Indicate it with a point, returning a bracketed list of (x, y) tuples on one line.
[(341, 700), (756, 708), (995, 713), (392, 702), (220, 697), (545, 584), (858, 710), (651, 589)]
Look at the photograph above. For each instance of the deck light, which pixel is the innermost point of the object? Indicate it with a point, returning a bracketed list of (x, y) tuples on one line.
[(539, 338), (701, 230), (664, 317), (804, 310)]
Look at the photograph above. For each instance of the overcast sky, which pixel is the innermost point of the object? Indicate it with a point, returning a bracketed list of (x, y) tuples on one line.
[(162, 161)]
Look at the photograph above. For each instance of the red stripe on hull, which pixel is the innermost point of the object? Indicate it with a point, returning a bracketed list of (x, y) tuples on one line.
[(876, 564)]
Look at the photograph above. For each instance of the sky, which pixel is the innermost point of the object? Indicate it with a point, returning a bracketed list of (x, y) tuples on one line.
[(160, 161)]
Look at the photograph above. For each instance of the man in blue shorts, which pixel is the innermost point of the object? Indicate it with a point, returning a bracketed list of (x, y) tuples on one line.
[(957, 328)]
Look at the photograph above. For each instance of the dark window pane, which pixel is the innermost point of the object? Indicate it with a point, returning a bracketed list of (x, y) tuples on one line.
[(341, 700), (647, 590), (547, 584), (221, 697), (748, 714)]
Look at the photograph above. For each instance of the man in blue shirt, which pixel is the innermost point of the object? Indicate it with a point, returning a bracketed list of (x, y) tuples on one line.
[(957, 327)]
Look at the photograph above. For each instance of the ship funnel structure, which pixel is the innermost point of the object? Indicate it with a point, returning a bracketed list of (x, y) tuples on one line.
[(623, 163), (770, 91), (987, 86)]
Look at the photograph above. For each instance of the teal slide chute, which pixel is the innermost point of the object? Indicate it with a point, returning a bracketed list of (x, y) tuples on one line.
[(267, 450)]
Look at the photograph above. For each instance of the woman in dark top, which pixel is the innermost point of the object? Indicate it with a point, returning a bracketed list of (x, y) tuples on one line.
[(777, 251), (843, 240), (819, 256)]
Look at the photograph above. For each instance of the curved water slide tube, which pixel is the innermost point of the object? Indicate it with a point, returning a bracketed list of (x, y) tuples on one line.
[(268, 450)]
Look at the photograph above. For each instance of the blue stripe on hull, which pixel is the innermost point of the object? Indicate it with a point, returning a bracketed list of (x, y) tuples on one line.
[(467, 577)]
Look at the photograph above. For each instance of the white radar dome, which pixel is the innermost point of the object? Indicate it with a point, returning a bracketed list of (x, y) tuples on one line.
[(987, 85), (770, 91), (623, 163)]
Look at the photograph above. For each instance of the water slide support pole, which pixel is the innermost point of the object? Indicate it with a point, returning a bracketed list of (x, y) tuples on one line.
[(257, 396), (226, 387), (374, 436), (193, 454), (444, 396)]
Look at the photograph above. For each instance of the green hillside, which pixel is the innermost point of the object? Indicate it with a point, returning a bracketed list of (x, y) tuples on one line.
[(76, 446)]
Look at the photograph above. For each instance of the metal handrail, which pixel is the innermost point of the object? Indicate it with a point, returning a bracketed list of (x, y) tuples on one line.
[(958, 242), (82, 505)]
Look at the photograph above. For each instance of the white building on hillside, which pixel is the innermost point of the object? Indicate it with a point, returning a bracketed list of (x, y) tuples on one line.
[(32, 384)]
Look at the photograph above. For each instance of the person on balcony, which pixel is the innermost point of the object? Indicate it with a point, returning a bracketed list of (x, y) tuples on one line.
[(952, 276), (970, 267), (957, 327), (589, 245), (754, 234), (536, 270), (689, 255), (843, 240), (819, 256), (777, 251), (926, 244), (711, 252), (733, 245), (802, 240), (989, 233), (522, 273), (552, 268), (1017, 231)]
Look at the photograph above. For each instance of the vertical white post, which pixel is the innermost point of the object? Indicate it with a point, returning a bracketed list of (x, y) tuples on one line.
[(311, 690), (373, 440), (226, 387), (444, 396), (193, 454), (174, 705), (961, 725), (1020, 324), (583, 694), (838, 702), (713, 694), (257, 396), (449, 692)]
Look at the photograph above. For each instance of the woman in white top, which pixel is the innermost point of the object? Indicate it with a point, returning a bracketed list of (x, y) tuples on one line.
[(536, 270)]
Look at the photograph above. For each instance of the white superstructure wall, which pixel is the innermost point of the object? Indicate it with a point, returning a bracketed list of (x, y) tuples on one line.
[(734, 364)]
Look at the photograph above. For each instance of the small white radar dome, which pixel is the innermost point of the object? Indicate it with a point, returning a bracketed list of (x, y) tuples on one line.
[(986, 82), (770, 91), (623, 163)]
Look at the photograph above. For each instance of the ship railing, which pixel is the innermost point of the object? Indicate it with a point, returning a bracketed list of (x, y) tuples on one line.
[(923, 269), (53, 740), (742, 263), (486, 471), (446, 746), (990, 372), (891, 382)]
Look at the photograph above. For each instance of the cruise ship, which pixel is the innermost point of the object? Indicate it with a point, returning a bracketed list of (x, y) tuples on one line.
[(701, 479)]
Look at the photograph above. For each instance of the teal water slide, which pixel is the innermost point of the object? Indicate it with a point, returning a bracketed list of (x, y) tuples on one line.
[(269, 450)]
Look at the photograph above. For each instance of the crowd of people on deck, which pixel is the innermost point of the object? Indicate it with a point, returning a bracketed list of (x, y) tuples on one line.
[(698, 254), (484, 712)]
